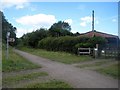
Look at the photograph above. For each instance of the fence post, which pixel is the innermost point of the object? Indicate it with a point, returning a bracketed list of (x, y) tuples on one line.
[(96, 52)]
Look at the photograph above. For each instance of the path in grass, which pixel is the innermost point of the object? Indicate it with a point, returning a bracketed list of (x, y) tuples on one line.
[(78, 78)]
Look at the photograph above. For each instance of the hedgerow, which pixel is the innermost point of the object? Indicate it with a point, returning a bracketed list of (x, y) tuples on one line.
[(69, 43)]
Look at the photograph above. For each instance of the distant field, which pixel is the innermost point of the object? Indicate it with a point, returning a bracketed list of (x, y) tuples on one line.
[(58, 56), (15, 62)]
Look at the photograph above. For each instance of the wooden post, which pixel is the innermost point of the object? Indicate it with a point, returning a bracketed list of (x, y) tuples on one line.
[(7, 51)]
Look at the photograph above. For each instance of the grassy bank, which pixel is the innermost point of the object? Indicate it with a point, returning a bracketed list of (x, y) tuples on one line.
[(111, 70), (96, 64), (17, 78), (49, 84), (15, 62), (57, 56)]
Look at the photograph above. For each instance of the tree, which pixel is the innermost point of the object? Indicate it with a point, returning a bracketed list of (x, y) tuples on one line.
[(60, 29), (31, 39), (8, 27), (97, 40), (76, 34)]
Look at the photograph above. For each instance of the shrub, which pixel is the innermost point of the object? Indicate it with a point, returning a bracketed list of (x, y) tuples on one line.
[(97, 40), (69, 43), (64, 43), (84, 45)]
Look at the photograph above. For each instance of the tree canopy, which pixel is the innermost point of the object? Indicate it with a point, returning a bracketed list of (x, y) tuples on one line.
[(7, 27), (32, 39), (60, 28), (56, 30)]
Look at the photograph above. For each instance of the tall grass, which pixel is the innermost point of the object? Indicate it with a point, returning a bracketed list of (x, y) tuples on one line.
[(17, 78), (50, 84), (112, 70), (57, 56), (15, 62)]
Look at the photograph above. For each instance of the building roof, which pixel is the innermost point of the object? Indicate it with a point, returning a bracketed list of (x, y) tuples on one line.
[(96, 33)]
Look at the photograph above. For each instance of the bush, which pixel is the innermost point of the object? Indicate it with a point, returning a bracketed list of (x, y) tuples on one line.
[(65, 43), (31, 39), (68, 43), (97, 40), (84, 45)]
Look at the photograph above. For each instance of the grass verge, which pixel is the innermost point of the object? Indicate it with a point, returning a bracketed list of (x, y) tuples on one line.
[(93, 64), (50, 84), (17, 78), (111, 70), (15, 62), (57, 56)]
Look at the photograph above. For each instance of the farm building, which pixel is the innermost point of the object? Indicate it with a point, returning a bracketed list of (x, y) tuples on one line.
[(110, 48), (112, 40)]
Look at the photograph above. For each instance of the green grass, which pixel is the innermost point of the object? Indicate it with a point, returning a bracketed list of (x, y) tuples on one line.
[(57, 56), (17, 78), (85, 65), (111, 70), (50, 84), (15, 62), (93, 64)]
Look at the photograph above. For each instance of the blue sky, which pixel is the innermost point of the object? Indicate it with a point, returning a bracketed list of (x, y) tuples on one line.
[(28, 16)]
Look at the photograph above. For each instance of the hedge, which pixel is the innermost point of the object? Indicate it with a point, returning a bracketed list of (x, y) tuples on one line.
[(67, 43)]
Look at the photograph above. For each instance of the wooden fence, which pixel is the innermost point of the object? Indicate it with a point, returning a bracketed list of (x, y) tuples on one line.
[(113, 53), (84, 51), (104, 53)]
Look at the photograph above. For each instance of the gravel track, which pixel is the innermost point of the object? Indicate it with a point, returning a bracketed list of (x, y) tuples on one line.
[(76, 77)]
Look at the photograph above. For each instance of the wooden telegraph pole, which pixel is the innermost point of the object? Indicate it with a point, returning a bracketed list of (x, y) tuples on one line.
[(93, 20)]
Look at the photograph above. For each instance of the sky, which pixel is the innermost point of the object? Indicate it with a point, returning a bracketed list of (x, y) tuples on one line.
[(28, 16)]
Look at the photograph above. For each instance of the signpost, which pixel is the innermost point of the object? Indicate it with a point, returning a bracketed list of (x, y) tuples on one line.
[(7, 36), (11, 39), (8, 40)]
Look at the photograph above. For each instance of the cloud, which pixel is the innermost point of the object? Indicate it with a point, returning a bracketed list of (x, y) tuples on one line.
[(18, 4), (85, 20), (83, 24), (21, 31), (114, 20), (30, 23), (38, 20), (69, 21)]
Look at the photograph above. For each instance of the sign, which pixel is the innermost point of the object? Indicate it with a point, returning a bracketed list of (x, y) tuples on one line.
[(11, 40), (97, 46)]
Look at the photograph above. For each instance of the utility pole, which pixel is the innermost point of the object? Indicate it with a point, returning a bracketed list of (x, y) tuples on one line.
[(93, 20), (7, 52)]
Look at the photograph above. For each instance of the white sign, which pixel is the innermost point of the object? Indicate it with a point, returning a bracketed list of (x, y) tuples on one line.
[(95, 49), (11, 40)]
